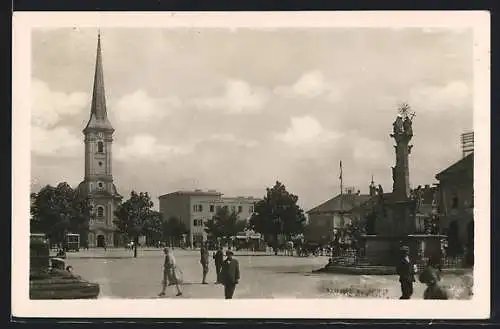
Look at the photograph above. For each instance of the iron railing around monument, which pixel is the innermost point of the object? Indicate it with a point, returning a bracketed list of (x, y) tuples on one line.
[(353, 257)]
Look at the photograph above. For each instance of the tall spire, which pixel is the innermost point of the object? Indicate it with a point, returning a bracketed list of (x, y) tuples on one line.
[(98, 95), (98, 111)]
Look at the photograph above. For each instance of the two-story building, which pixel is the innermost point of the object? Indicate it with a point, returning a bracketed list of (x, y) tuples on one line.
[(333, 214), (456, 199), (195, 208)]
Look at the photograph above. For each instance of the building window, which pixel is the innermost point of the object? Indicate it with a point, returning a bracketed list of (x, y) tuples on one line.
[(198, 222), (100, 212), (197, 208), (225, 207), (240, 209), (200, 208), (212, 208), (100, 147)]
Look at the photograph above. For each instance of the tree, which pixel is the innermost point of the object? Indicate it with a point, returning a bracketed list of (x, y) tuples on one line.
[(58, 210), (153, 228), (224, 224), (278, 213), (135, 217), (173, 230)]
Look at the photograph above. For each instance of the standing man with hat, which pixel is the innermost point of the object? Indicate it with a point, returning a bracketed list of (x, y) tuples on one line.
[(230, 274), (406, 272)]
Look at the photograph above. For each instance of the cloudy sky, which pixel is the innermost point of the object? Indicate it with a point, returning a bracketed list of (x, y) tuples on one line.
[(236, 110)]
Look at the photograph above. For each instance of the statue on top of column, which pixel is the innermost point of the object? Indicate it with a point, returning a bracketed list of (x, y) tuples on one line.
[(402, 126)]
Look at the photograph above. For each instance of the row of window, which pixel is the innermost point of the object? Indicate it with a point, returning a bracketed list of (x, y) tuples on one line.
[(214, 208), (198, 222)]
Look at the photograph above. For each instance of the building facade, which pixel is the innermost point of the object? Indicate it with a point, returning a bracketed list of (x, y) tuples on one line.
[(456, 199), (98, 176), (195, 208), (334, 214)]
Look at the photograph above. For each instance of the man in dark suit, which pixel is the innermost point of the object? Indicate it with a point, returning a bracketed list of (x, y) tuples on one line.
[(218, 259), (230, 274), (406, 272)]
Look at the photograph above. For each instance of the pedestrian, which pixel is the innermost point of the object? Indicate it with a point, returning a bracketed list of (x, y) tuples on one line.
[(204, 257), (406, 272), (431, 276), (171, 273), (218, 260), (230, 274)]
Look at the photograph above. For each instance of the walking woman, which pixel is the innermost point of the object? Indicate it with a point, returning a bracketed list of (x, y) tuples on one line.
[(171, 273)]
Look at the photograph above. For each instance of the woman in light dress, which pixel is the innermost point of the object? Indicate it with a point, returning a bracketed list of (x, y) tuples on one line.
[(171, 273)]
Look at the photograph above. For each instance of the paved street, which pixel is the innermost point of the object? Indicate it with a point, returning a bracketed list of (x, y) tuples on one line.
[(262, 276)]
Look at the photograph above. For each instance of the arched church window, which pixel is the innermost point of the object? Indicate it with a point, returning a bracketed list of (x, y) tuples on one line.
[(100, 147), (100, 211)]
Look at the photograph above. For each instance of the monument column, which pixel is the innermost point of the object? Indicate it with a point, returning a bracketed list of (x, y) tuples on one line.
[(402, 135)]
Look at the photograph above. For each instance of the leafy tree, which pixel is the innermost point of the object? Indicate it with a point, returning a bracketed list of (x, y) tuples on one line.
[(135, 217), (58, 210), (153, 228), (173, 230), (278, 213), (224, 224)]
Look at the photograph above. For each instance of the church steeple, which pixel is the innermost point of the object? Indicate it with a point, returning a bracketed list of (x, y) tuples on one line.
[(373, 188), (98, 113)]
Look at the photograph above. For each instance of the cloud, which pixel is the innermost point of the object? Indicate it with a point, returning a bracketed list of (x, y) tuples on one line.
[(369, 151), (239, 97), (305, 129), (146, 147), (230, 138), (48, 107), (57, 142), (139, 106), (451, 96), (311, 84)]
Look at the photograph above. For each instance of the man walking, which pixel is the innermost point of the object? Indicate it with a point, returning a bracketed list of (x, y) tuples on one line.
[(230, 274), (406, 272), (218, 259), (204, 262)]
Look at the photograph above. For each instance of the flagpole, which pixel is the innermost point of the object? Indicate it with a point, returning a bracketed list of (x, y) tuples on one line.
[(341, 195)]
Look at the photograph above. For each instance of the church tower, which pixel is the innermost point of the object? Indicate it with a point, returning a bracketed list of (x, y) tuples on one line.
[(98, 178)]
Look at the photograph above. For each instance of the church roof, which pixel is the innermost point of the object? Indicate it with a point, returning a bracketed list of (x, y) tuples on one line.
[(98, 112), (341, 203)]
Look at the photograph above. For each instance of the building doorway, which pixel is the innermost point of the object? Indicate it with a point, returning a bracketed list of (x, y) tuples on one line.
[(101, 242)]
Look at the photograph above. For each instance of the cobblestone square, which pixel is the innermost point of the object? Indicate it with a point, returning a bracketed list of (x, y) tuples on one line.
[(262, 276)]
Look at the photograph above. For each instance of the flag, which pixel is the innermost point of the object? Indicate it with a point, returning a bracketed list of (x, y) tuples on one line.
[(340, 176)]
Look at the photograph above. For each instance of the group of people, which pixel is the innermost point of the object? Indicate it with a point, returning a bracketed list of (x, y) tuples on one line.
[(430, 276), (227, 271)]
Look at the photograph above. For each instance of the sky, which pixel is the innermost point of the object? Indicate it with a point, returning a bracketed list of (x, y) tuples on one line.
[(237, 109)]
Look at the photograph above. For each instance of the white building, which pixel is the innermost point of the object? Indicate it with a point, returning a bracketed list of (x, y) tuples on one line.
[(195, 208)]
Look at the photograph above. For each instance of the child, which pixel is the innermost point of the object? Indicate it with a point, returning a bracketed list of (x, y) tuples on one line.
[(431, 277)]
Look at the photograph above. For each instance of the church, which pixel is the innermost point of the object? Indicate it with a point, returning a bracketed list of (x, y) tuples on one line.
[(98, 177)]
